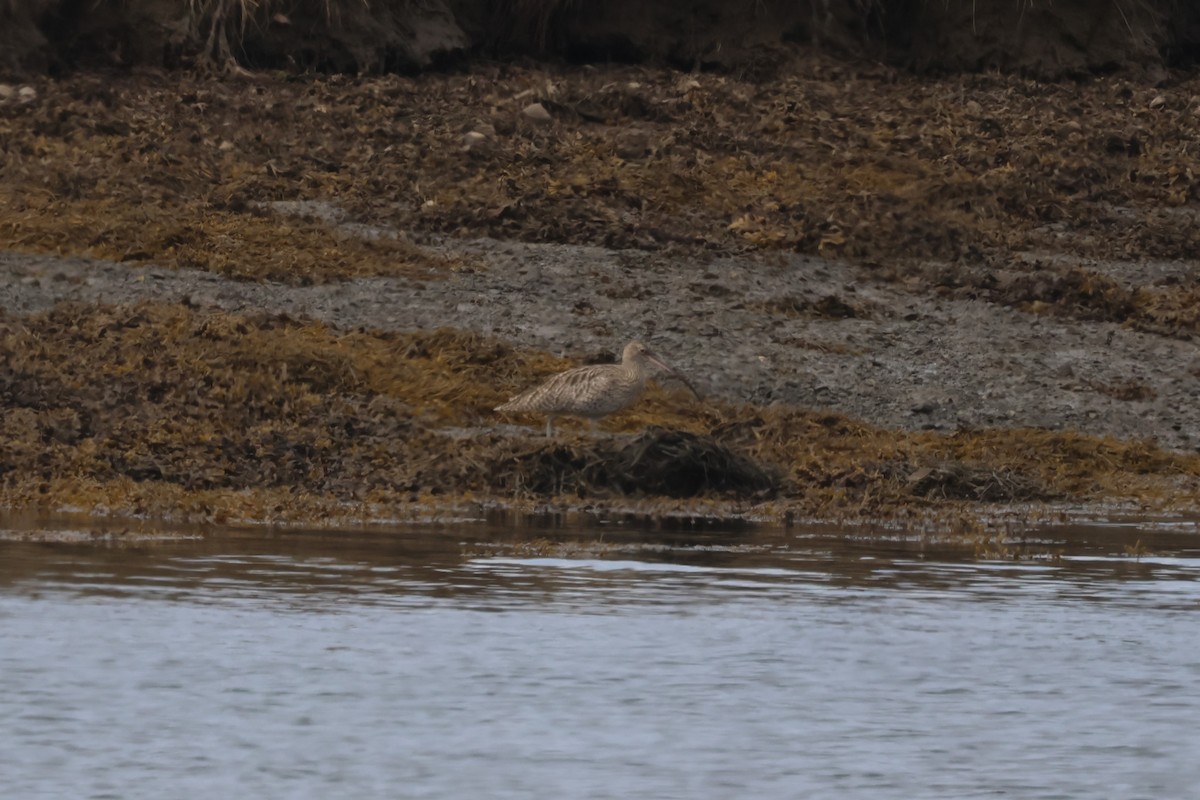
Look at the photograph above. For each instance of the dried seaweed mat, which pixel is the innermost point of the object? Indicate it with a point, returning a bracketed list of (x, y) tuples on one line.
[(660, 462), (977, 482)]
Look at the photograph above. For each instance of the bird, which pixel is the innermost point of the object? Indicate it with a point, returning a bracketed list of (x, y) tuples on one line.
[(594, 391)]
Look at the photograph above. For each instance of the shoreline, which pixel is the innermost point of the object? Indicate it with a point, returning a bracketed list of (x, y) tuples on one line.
[(343, 405)]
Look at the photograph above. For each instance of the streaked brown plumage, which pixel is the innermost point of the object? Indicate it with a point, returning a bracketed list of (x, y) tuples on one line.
[(594, 391)]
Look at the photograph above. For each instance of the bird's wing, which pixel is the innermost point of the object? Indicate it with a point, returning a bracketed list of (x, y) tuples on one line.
[(563, 392)]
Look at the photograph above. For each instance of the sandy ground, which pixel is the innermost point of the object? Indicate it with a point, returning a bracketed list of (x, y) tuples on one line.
[(774, 328)]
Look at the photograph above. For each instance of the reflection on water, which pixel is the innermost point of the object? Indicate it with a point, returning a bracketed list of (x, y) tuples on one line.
[(481, 662)]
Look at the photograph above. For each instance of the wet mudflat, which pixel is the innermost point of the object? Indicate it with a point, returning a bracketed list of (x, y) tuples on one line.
[(506, 661)]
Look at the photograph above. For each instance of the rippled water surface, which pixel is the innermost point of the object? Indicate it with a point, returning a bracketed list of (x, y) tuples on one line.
[(489, 662)]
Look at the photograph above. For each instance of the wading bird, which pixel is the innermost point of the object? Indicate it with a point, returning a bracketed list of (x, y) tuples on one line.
[(595, 391)]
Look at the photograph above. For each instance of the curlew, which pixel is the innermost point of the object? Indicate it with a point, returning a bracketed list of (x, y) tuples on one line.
[(594, 391)]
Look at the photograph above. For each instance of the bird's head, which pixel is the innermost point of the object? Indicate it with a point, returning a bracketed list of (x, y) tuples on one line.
[(638, 353)]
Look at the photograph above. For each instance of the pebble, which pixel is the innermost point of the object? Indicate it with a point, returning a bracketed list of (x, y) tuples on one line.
[(27, 94), (474, 140), (6, 92), (536, 112)]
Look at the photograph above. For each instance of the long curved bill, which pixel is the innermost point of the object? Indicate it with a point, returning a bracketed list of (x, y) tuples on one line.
[(671, 372), (658, 362)]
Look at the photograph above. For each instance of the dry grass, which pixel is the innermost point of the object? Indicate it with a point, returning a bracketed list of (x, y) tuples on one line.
[(219, 26)]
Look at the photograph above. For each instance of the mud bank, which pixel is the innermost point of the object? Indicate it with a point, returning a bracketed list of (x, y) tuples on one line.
[(288, 299), (184, 395), (785, 330)]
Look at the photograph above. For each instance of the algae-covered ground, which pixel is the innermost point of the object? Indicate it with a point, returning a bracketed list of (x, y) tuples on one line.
[(299, 298)]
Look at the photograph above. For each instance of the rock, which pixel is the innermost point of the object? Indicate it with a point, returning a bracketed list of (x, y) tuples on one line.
[(536, 112), (7, 92), (1158, 102), (27, 94), (973, 107), (474, 140), (925, 407)]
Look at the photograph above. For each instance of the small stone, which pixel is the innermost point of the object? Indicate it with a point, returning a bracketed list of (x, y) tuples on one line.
[(1071, 126), (920, 475), (7, 92), (973, 107), (536, 112), (27, 94), (474, 140), (1158, 102)]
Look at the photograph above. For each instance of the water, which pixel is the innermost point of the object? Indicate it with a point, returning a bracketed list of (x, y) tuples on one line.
[(477, 662)]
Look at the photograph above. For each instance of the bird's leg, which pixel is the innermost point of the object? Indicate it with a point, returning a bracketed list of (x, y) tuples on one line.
[(549, 426)]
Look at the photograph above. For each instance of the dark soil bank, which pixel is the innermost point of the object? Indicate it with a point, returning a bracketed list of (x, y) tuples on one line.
[(1065, 38)]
